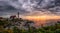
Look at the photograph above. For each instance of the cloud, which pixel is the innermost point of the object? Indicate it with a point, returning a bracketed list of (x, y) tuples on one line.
[(30, 7)]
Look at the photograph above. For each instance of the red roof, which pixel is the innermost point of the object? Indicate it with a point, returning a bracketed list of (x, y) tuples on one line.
[(13, 16), (1, 17)]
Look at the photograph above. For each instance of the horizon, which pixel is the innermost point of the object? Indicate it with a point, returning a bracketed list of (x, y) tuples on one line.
[(29, 16), (37, 10)]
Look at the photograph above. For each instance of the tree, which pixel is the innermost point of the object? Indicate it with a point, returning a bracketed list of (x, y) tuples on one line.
[(16, 30), (57, 31)]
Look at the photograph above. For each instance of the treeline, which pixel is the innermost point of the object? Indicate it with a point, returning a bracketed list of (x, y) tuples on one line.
[(48, 29)]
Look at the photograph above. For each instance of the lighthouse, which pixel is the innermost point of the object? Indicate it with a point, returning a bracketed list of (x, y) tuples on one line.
[(18, 14)]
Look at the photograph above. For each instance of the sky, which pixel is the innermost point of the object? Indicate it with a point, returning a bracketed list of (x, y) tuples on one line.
[(30, 8)]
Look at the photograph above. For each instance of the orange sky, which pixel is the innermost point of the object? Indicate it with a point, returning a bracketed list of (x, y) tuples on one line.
[(42, 19)]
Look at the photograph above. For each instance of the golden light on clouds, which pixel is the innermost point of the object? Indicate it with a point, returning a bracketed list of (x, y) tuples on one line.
[(43, 17)]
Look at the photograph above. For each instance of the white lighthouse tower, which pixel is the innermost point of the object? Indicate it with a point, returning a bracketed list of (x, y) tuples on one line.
[(18, 14)]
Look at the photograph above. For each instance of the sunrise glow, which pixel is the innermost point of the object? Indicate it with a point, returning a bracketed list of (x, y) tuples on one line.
[(44, 17)]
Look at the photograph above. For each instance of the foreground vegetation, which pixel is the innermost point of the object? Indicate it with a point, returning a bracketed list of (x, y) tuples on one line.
[(48, 29)]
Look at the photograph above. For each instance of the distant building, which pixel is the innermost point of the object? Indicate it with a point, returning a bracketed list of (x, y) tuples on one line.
[(1, 17), (13, 17)]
